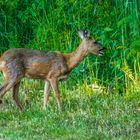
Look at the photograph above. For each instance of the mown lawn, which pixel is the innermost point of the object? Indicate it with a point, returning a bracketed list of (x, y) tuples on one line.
[(84, 117)]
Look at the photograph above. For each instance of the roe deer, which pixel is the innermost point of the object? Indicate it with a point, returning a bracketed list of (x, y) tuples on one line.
[(17, 63)]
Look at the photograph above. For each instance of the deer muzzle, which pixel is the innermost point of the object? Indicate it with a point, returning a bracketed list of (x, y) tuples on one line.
[(101, 51)]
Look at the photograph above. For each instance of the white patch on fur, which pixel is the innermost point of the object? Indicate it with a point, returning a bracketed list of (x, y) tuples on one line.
[(2, 64)]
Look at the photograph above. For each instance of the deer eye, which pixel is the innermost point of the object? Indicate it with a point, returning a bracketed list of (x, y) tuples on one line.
[(95, 42)]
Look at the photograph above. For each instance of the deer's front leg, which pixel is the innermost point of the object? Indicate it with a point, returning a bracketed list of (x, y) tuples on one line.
[(54, 84), (46, 93)]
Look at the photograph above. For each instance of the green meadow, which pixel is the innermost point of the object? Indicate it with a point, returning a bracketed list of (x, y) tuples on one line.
[(101, 97)]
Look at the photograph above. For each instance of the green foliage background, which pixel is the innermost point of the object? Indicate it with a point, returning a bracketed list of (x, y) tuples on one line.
[(53, 24), (92, 105)]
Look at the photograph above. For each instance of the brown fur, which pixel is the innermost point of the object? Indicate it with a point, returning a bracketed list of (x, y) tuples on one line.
[(49, 66)]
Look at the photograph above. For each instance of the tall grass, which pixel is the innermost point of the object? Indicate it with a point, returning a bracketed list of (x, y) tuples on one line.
[(93, 107), (52, 25)]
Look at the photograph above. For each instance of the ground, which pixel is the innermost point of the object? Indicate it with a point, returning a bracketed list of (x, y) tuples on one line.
[(84, 117)]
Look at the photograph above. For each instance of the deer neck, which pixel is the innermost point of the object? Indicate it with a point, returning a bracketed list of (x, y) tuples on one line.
[(74, 58)]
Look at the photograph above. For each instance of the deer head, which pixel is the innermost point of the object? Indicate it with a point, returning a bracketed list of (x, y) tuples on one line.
[(90, 43)]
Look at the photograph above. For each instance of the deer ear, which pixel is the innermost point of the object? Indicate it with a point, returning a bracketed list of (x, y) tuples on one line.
[(84, 34)]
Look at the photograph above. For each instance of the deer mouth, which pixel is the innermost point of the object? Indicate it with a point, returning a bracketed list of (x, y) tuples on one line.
[(101, 51)]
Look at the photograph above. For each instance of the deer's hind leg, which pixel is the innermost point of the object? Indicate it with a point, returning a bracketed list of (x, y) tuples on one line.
[(15, 95), (13, 75), (1, 89), (8, 85), (5, 86)]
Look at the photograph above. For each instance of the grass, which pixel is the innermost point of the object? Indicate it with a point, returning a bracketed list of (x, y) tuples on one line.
[(84, 116), (112, 111)]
